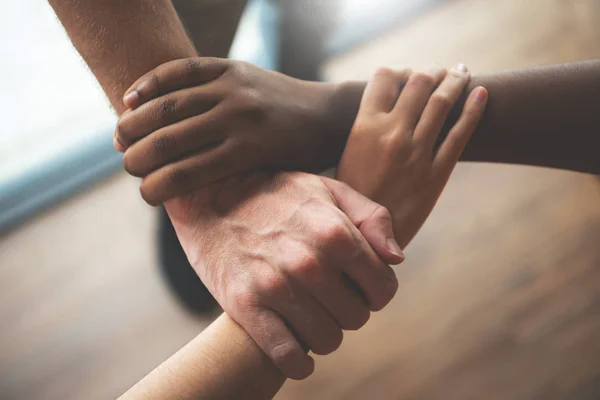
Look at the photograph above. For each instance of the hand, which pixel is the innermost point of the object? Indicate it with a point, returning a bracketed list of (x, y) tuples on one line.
[(390, 156), (196, 121), (293, 258)]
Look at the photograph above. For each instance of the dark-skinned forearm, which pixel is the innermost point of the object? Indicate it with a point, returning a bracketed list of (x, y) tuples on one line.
[(543, 116), (211, 24)]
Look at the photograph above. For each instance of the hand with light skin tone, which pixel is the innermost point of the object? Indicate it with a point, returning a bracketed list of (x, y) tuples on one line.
[(294, 258), (391, 157)]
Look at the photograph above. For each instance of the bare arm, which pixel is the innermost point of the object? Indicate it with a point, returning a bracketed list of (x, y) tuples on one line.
[(546, 116), (221, 363), (211, 24), (122, 40)]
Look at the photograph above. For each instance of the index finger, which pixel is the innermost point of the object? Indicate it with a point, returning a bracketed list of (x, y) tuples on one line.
[(172, 76)]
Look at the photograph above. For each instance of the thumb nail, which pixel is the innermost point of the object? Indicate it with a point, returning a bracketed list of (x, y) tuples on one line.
[(395, 248)]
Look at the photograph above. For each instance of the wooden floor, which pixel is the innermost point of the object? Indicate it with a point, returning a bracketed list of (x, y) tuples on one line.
[(499, 297)]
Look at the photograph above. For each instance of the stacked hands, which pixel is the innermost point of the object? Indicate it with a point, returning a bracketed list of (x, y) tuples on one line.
[(294, 258)]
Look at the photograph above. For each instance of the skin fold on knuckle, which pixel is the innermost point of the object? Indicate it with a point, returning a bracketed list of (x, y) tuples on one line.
[(305, 267), (165, 109), (162, 145), (421, 80), (442, 101)]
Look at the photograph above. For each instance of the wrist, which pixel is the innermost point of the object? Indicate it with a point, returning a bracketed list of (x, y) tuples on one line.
[(339, 115)]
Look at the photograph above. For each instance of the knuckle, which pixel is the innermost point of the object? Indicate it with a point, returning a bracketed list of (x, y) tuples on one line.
[(422, 79), (161, 144), (381, 213), (240, 71), (395, 146), (272, 286), (192, 67), (442, 101), (165, 108), (332, 233), (242, 297), (306, 267), (152, 83), (384, 72)]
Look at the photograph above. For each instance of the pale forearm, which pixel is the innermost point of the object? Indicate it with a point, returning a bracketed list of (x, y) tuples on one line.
[(221, 363)]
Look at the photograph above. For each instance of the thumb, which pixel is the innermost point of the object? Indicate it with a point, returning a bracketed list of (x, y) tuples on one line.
[(372, 220)]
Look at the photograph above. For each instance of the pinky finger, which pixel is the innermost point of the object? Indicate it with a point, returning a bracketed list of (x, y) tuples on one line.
[(278, 342), (451, 149)]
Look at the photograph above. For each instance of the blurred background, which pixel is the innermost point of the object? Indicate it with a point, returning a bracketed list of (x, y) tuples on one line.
[(499, 298)]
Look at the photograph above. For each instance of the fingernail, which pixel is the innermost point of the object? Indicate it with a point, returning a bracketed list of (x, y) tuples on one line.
[(131, 99), (481, 95), (395, 248), (462, 68)]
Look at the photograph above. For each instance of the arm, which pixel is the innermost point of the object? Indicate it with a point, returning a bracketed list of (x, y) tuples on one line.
[(211, 24), (233, 232), (220, 363), (545, 116), (135, 35)]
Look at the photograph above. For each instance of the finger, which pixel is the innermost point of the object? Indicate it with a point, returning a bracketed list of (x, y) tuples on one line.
[(174, 142), (172, 76), (346, 304), (439, 105), (278, 342), (184, 176), (415, 95), (451, 149), (328, 287), (118, 146), (375, 279), (382, 90), (166, 110), (357, 258), (373, 220), (311, 323)]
